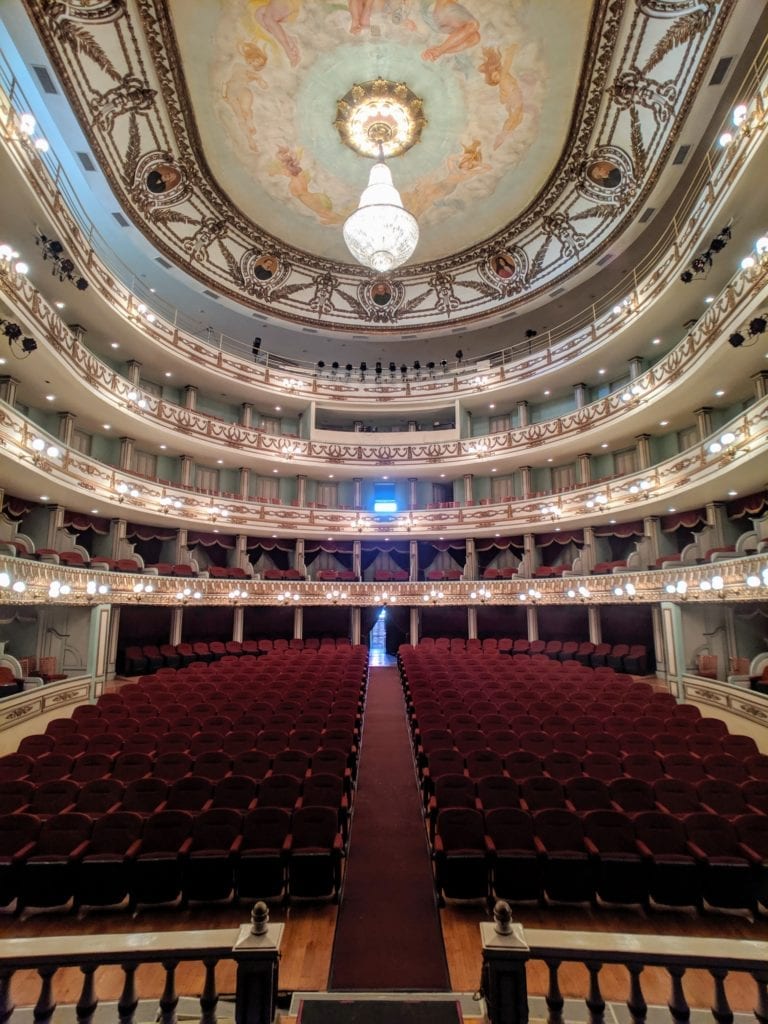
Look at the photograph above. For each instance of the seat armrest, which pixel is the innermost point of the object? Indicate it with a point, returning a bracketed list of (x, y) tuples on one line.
[(437, 845), (752, 856), (490, 846), (642, 849), (23, 852), (288, 843), (185, 847), (696, 851), (540, 847), (79, 850), (591, 848), (236, 844)]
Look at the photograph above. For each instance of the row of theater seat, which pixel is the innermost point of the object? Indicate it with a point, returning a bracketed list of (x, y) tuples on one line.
[(185, 792), (149, 657), (555, 856), (169, 857), (632, 658), (583, 794)]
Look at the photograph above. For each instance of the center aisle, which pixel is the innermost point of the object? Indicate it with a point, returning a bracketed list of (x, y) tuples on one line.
[(388, 933)]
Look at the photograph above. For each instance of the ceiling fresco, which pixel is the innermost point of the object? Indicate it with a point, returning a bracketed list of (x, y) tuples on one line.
[(547, 122), (497, 89)]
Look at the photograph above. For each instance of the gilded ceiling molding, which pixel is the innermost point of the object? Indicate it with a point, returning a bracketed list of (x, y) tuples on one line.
[(123, 74)]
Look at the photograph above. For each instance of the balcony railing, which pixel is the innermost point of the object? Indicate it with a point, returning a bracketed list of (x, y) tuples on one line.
[(506, 959), (255, 959)]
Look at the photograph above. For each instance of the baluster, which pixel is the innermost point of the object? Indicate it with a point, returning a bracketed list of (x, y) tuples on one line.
[(128, 1001), (87, 1003), (554, 996), (721, 1011), (6, 1002), (209, 997), (45, 1005), (169, 999), (761, 1010), (678, 1005), (636, 1003), (595, 1001)]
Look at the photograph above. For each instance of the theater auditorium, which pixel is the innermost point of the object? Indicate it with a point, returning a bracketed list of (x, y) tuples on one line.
[(384, 527)]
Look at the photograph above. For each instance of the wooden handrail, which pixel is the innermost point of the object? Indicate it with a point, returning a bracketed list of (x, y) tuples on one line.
[(256, 958), (505, 959)]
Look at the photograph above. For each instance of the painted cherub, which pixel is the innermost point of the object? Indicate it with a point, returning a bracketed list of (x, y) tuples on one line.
[(238, 92), (271, 16), (496, 72), (461, 28), (460, 169), (318, 202)]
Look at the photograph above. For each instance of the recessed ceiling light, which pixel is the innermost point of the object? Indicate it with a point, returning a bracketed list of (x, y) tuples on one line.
[(601, 372), (492, 405), (732, 494), (663, 423), (442, 475), (44, 497), (549, 460), (278, 408), (709, 298), (656, 341), (611, 521), (114, 345), (168, 373), (106, 426), (163, 446), (94, 511), (59, 305), (719, 393), (152, 290), (385, 478), (2, 361), (220, 461), (547, 391), (671, 509), (274, 471), (493, 471), (330, 476), (604, 444), (50, 398)]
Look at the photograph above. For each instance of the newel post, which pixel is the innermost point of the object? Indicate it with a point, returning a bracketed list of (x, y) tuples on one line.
[(505, 954), (257, 955)]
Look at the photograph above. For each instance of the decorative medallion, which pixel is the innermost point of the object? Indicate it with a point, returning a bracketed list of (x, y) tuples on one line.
[(380, 118)]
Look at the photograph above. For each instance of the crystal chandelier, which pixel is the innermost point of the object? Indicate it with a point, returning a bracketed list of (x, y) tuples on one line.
[(380, 119), (381, 233)]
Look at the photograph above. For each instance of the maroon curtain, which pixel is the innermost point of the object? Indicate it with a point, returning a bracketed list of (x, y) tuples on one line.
[(78, 523), (17, 508), (209, 540), (543, 540), (631, 529), (144, 531), (750, 505), (687, 520)]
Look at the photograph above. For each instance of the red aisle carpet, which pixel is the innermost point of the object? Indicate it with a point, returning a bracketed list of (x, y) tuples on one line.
[(388, 930)]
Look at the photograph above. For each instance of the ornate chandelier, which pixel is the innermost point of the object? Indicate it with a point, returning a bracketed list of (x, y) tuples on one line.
[(380, 118), (381, 233)]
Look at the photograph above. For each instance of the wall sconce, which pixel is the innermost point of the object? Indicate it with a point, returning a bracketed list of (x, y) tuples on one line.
[(140, 589), (753, 581), (214, 511), (285, 597), (237, 594), (553, 511), (634, 392), (596, 500), (385, 598), (716, 584), (628, 590), (482, 594), (289, 449), (680, 588), (581, 592), (57, 589), (94, 589), (168, 503), (137, 400), (744, 123), (478, 448), (531, 595), (361, 523), (432, 596), (640, 487), (293, 383), (125, 490), (334, 596), (187, 594), (42, 451), (625, 306), (725, 445)]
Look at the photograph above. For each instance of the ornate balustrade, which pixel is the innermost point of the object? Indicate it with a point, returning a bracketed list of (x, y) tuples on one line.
[(121, 588), (637, 494), (256, 959), (706, 199), (730, 310), (505, 959)]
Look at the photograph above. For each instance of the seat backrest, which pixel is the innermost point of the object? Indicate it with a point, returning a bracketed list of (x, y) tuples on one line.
[(461, 828), (235, 791), (165, 831), (314, 828), (724, 766), (559, 829), (610, 831), (510, 829), (587, 794), (676, 795), (189, 794), (16, 831), (713, 834), (216, 829), (115, 833), (265, 828), (498, 791), (60, 834), (279, 791), (661, 833)]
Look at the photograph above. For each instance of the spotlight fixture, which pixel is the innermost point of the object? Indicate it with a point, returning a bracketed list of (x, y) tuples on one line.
[(757, 325), (63, 266), (736, 339), (530, 333)]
